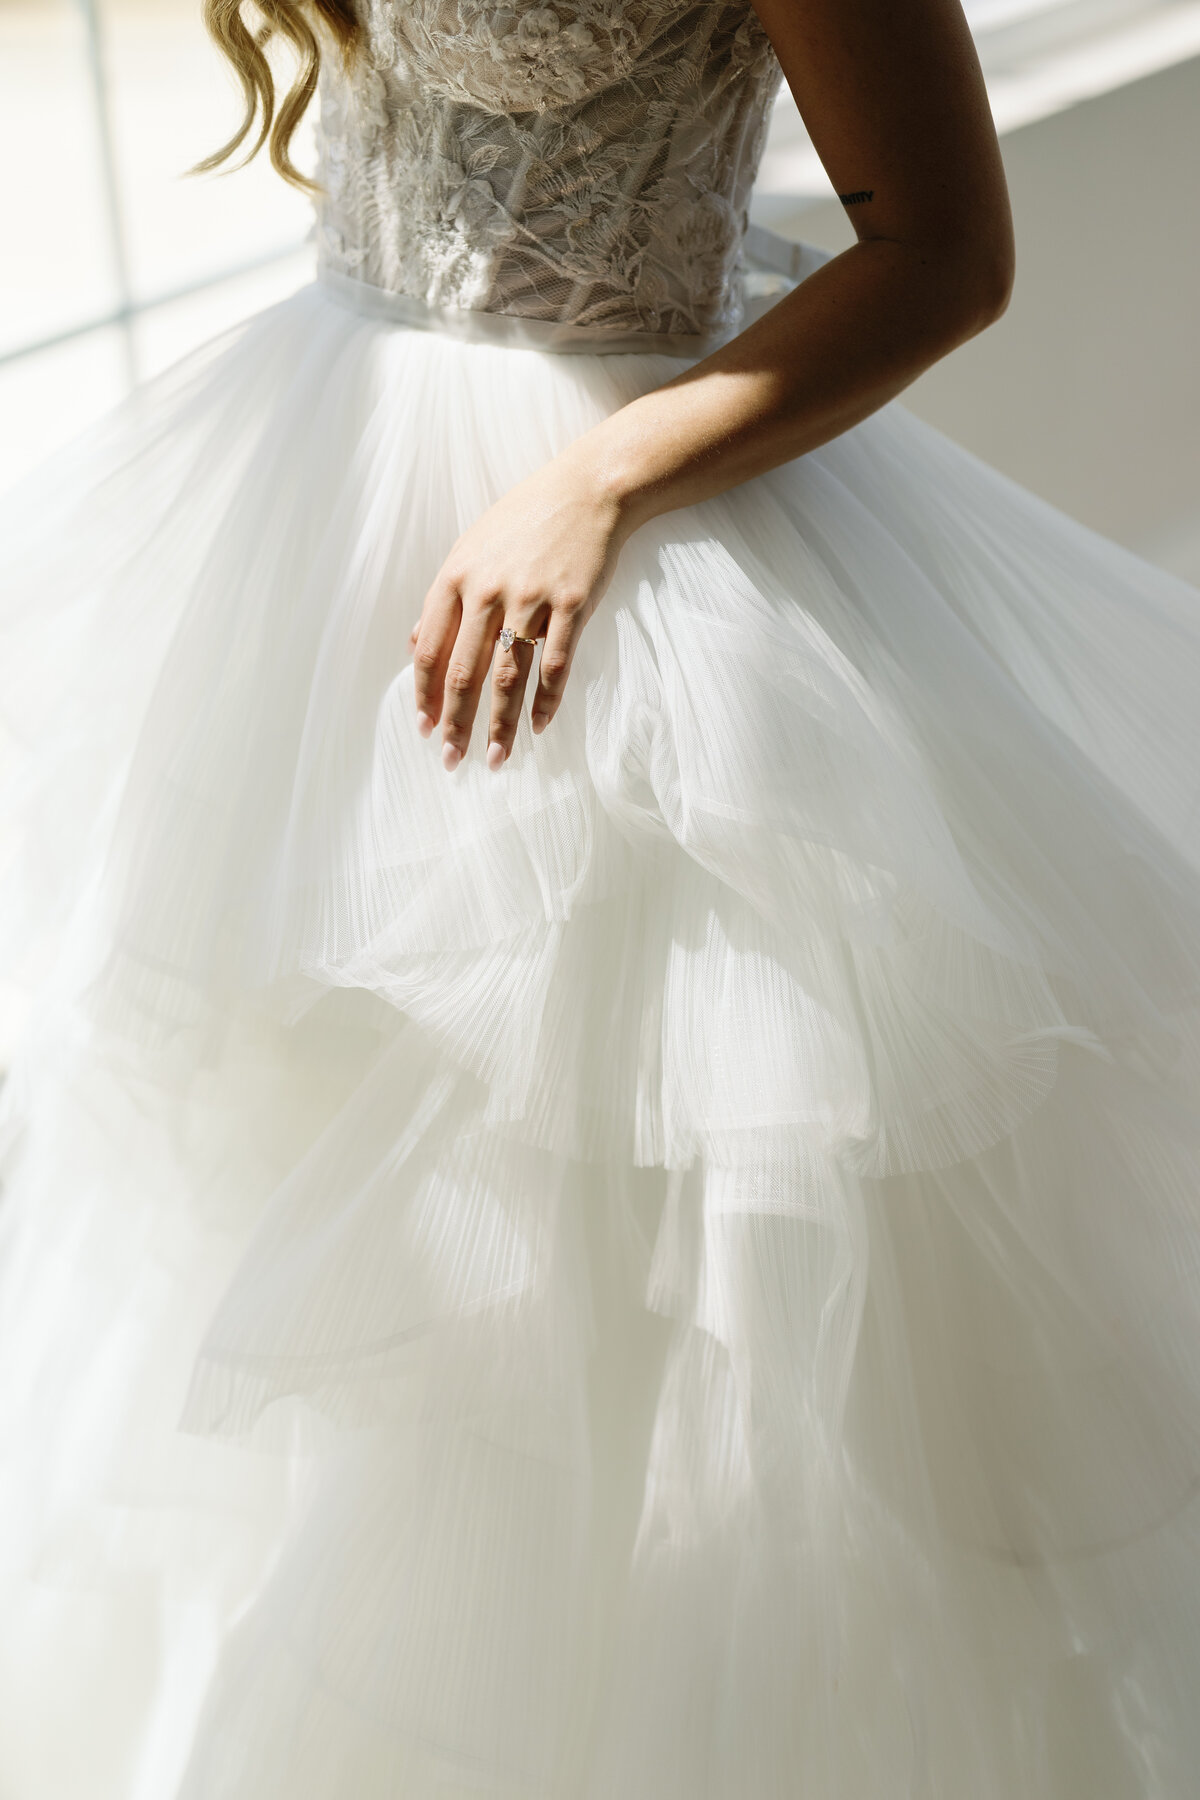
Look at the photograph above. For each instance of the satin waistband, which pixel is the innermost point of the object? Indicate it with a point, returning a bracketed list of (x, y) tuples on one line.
[(477, 327)]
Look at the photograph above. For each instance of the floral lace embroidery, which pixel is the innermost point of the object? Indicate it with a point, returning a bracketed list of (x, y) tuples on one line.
[(588, 162)]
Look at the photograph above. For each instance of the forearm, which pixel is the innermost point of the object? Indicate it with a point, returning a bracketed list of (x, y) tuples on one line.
[(897, 109), (842, 344)]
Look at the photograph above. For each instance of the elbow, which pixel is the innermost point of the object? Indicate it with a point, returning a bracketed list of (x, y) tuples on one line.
[(995, 282), (967, 290), (968, 270), (964, 281), (983, 282)]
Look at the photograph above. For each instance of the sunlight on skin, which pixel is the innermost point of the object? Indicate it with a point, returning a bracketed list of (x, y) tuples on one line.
[(895, 103)]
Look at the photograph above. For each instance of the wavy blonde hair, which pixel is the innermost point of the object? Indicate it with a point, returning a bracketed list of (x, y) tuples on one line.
[(299, 24)]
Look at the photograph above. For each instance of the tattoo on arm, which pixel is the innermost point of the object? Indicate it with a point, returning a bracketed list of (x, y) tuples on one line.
[(857, 197)]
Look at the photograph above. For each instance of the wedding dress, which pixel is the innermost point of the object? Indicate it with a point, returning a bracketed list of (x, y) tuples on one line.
[(671, 1271)]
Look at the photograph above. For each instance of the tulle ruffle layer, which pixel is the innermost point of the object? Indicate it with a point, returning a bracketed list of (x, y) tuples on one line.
[(709, 1213)]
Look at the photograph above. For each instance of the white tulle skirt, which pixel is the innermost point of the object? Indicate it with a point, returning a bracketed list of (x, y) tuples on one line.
[(670, 1272)]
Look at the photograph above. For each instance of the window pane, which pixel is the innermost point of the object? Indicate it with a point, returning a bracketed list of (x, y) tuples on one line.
[(173, 102), (55, 266)]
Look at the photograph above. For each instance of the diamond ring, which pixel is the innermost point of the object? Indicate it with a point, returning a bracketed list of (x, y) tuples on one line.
[(508, 637)]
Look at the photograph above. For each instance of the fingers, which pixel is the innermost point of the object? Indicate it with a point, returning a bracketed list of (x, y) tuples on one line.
[(562, 635), (454, 646), (433, 641), (510, 675), (466, 672)]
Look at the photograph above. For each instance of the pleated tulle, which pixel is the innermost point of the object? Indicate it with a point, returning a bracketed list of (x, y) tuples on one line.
[(668, 1271)]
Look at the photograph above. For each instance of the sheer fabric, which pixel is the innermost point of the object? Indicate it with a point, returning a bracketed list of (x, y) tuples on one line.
[(669, 1272)]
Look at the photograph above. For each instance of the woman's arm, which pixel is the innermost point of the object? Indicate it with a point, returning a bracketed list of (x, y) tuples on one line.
[(895, 104)]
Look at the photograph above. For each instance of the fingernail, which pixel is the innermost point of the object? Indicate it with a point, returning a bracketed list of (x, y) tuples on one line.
[(495, 756), (424, 724), (539, 720), (451, 756)]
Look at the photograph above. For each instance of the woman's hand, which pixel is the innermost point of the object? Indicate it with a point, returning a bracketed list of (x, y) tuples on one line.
[(537, 561), (897, 108)]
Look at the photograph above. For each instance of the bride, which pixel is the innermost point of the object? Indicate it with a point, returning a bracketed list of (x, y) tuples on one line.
[(602, 1181)]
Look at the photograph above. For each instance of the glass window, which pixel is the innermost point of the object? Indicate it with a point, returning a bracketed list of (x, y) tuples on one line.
[(115, 261)]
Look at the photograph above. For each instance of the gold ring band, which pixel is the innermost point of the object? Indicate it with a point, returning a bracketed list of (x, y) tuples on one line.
[(508, 637)]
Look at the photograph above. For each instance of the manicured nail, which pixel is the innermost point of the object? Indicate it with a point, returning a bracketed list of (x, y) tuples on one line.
[(424, 724), (495, 756), (539, 721), (451, 756)]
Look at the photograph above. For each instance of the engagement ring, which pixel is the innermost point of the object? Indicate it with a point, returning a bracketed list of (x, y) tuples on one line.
[(508, 637)]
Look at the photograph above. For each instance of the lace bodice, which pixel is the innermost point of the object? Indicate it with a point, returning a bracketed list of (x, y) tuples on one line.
[(585, 161)]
